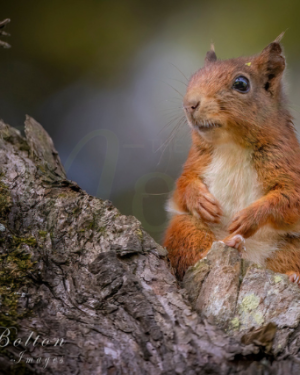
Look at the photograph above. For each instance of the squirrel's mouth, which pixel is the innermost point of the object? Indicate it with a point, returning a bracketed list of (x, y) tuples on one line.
[(207, 125)]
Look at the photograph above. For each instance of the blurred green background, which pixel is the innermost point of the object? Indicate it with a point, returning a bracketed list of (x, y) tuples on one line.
[(106, 79)]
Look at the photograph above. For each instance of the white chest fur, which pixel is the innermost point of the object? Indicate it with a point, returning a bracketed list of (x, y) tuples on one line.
[(232, 180)]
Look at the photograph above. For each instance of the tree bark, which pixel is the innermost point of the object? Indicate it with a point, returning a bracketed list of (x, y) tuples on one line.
[(85, 290)]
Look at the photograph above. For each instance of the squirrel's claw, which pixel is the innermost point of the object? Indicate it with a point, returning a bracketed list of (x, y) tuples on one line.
[(294, 277), (237, 241)]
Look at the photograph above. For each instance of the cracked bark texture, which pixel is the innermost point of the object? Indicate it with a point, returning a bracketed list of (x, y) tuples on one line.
[(73, 268), (244, 297)]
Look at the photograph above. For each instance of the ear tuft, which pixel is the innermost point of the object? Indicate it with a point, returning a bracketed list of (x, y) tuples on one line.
[(274, 49), (279, 38), (210, 55)]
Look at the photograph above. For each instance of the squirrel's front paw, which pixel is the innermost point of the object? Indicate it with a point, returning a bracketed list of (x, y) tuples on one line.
[(237, 241), (294, 277), (202, 203), (244, 223)]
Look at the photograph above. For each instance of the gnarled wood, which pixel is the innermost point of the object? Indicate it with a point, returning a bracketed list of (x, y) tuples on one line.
[(73, 268)]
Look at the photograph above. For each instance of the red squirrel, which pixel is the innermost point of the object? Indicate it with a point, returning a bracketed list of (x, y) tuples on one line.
[(241, 181)]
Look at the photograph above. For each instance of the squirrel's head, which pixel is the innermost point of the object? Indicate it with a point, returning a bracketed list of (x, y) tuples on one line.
[(236, 97)]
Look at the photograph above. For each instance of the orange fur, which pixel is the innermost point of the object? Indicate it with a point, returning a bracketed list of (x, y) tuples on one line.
[(188, 240), (191, 193), (258, 123)]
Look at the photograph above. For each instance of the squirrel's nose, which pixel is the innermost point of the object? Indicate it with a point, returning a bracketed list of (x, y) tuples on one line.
[(191, 106)]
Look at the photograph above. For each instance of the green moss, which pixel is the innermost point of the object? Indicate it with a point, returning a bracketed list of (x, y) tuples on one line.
[(21, 369), (76, 211), (5, 201), (42, 233), (42, 168), (31, 241), (139, 233), (91, 225), (14, 268)]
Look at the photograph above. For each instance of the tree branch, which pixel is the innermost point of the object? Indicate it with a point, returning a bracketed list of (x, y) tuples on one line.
[(74, 269)]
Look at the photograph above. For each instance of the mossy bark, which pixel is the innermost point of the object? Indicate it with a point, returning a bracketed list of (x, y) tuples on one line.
[(73, 268)]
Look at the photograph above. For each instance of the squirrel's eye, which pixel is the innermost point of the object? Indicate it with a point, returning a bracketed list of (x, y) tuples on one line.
[(241, 84)]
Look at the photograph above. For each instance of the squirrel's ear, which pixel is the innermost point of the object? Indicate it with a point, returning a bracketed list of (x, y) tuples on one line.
[(273, 58), (210, 55), (272, 63)]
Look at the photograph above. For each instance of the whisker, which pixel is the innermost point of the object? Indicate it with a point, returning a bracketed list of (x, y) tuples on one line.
[(173, 88), (170, 139), (180, 71), (171, 121), (173, 101), (171, 135), (178, 80), (157, 193), (170, 110), (294, 108)]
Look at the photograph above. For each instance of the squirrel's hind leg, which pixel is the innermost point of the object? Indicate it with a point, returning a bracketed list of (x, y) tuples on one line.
[(187, 240), (287, 260)]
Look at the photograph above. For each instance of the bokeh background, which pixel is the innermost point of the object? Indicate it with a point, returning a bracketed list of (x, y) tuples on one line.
[(106, 79)]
